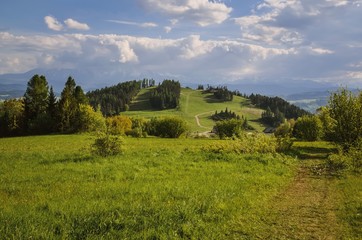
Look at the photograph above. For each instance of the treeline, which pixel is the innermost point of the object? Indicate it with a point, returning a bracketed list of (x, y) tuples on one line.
[(276, 109), (40, 112), (166, 95), (115, 99)]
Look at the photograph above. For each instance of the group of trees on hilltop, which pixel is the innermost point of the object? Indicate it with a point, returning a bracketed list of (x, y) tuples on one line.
[(40, 112), (166, 95), (220, 93), (115, 99), (276, 109), (224, 115)]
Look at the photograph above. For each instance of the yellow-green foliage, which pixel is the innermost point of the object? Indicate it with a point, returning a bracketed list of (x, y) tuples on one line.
[(246, 143), (90, 120), (119, 125)]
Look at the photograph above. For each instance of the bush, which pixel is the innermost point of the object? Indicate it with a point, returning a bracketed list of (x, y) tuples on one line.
[(229, 128), (107, 145), (139, 128), (308, 128), (167, 127), (119, 125), (246, 143)]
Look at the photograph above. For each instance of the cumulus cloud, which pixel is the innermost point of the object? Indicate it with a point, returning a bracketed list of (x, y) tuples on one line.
[(72, 24), (53, 23), (202, 12)]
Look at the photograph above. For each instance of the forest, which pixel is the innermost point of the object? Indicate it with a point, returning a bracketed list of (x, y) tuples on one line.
[(166, 95)]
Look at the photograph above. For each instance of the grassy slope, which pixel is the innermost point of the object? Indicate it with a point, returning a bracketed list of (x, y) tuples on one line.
[(51, 188), (193, 103)]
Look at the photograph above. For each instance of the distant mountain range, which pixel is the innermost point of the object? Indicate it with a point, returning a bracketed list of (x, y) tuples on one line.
[(308, 95)]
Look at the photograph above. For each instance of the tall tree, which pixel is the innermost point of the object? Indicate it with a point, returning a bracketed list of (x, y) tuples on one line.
[(68, 106), (52, 111), (36, 102), (79, 95), (11, 117), (345, 109)]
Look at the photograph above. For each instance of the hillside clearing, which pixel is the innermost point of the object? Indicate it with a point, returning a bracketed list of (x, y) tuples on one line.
[(196, 108)]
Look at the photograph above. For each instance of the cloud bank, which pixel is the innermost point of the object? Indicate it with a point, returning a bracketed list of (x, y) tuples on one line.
[(290, 41)]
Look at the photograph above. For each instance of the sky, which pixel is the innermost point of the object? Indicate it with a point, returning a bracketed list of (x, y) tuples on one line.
[(193, 41)]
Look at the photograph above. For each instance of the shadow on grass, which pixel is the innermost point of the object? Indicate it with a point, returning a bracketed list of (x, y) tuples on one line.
[(312, 152), (212, 99), (70, 159)]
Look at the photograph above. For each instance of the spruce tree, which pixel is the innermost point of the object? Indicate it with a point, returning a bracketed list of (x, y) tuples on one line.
[(36, 103)]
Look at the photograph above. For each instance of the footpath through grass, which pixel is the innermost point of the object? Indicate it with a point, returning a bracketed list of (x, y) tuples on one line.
[(51, 188), (319, 203)]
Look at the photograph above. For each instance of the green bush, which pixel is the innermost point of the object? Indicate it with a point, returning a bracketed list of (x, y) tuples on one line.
[(167, 127), (229, 128), (308, 128), (107, 145), (351, 159), (246, 143), (139, 128)]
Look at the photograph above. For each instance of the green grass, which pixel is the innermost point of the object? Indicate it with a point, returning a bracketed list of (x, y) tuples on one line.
[(193, 103), (52, 188)]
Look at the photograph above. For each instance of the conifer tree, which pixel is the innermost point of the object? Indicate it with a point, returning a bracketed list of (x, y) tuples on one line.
[(36, 103)]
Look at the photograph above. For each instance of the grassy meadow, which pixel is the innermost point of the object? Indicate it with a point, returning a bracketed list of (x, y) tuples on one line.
[(195, 103), (53, 188)]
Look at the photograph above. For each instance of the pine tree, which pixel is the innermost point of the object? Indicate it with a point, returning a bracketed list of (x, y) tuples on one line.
[(68, 106), (52, 110), (36, 103)]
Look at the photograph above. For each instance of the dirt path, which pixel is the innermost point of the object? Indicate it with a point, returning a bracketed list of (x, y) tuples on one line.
[(305, 210), (198, 119)]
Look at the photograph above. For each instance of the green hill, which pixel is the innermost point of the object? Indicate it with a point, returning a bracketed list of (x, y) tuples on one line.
[(196, 105)]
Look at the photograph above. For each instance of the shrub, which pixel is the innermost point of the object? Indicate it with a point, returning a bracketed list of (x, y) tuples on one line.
[(119, 125), (139, 128), (107, 145), (167, 127), (308, 128), (229, 128), (246, 143)]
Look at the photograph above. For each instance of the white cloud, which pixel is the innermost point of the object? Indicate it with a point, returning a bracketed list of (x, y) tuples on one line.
[(144, 25), (202, 12), (53, 23), (72, 24), (168, 29)]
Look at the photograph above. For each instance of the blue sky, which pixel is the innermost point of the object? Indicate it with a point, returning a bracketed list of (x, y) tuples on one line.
[(200, 41)]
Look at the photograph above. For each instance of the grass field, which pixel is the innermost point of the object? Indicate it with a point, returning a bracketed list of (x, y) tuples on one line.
[(195, 103), (52, 188)]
